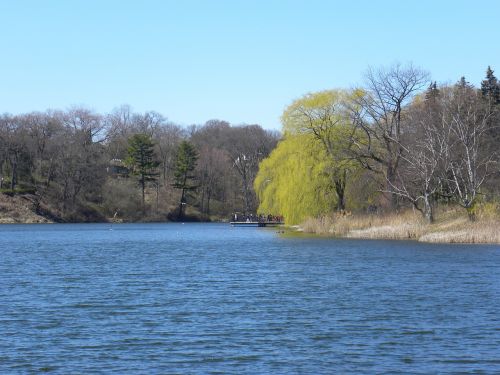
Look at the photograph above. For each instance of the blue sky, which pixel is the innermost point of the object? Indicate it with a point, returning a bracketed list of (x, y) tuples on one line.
[(240, 61)]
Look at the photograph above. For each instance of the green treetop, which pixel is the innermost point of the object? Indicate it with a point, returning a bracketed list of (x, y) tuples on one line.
[(325, 117), (490, 87), (185, 165), (141, 160), (293, 181)]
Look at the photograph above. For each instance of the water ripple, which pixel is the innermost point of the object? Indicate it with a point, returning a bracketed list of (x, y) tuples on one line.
[(198, 299)]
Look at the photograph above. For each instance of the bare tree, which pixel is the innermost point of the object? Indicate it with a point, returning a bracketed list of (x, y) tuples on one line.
[(426, 147), (119, 126), (148, 123), (247, 146), (167, 138), (13, 138), (445, 149), (379, 115), (212, 169), (88, 124), (80, 165), (470, 163), (218, 179)]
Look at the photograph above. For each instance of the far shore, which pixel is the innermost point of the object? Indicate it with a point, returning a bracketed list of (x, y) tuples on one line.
[(451, 225)]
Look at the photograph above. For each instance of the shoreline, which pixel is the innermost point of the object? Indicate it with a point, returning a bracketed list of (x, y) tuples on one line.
[(451, 227), (384, 232), (19, 209), (451, 224)]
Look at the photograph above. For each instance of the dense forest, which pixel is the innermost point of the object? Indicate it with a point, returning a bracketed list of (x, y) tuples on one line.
[(398, 141), (78, 165)]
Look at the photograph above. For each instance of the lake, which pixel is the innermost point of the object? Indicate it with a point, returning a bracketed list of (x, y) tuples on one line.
[(210, 298)]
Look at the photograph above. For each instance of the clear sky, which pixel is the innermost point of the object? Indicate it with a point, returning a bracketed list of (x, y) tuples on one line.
[(239, 61)]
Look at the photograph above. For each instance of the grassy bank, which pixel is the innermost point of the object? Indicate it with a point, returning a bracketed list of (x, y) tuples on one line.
[(450, 226)]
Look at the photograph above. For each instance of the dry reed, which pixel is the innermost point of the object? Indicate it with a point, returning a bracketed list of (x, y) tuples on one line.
[(451, 226)]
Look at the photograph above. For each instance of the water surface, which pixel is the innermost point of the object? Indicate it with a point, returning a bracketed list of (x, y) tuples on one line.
[(209, 298)]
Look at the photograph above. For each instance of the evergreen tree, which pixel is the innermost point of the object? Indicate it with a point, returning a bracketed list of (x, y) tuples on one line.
[(463, 83), (142, 162), (490, 87), (432, 91), (185, 165)]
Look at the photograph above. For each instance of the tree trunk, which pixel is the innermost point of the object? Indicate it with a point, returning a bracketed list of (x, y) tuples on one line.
[(202, 200), (1, 172), (143, 186), (428, 210), (340, 190), (208, 204), (183, 198), (391, 182), (247, 201), (471, 212), (157, 197), (246, 195), (181, 205), (13, 181), (50, 173)]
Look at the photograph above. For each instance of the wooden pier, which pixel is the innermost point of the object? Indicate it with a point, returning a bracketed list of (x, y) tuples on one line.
[(256, 223)]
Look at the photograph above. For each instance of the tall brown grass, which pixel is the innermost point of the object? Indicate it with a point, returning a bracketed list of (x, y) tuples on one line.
[(451, 226)]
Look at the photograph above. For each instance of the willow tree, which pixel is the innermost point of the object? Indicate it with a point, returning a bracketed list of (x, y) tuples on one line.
[(293, 181), (324, 117)]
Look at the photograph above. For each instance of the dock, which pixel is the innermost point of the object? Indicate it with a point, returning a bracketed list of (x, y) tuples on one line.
[(256, 223)]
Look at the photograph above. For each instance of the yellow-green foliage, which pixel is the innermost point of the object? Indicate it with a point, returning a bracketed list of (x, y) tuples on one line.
[(327, 112), (292, 180), (313, 110), (311, 168), (326, 116)]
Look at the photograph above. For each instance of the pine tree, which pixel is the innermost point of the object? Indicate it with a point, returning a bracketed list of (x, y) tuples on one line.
[(141, 160), (432, 91), (463, 83), (490, 88), (185, 165)]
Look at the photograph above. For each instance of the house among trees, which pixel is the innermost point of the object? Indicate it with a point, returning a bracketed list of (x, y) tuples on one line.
[(117, 168)]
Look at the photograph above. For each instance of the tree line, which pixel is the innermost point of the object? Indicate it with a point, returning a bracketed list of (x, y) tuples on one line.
[(79, 165), (399, 140)]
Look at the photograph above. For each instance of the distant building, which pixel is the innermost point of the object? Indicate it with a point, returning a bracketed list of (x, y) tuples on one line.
[(117, 168)]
